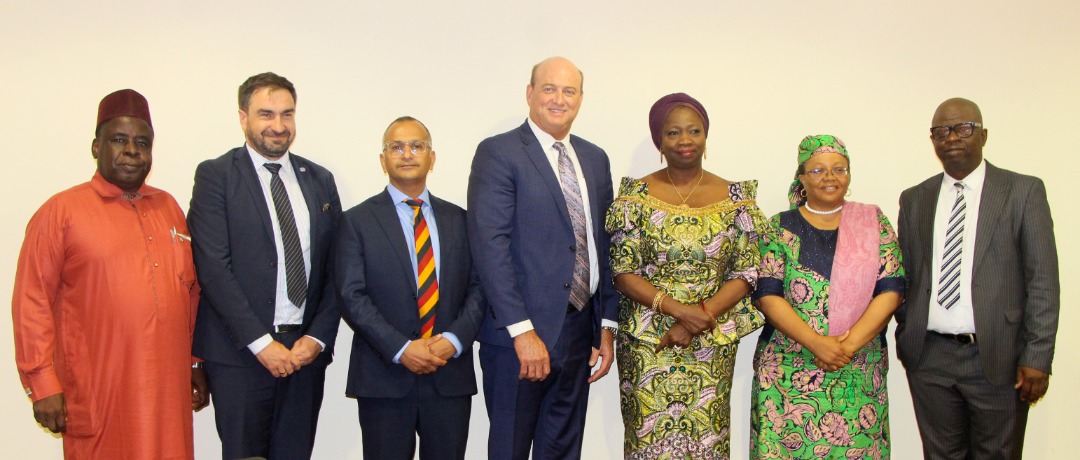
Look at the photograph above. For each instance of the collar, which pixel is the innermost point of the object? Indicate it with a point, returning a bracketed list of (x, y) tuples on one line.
[(108, 190), (546, 140), (259, 160), (398, 196), (973, 181)]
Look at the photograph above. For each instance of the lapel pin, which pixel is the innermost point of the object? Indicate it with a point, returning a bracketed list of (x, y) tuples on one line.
[(303, 169), (326, 207)]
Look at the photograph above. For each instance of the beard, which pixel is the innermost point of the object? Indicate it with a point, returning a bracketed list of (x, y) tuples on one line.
[(259, 143)]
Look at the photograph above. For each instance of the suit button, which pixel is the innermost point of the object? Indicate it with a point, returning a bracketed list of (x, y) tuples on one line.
[(415, 335), (567, 285), (273, 264), (573, 248)]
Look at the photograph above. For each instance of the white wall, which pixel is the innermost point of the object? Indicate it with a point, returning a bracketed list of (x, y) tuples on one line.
[(769, 73)]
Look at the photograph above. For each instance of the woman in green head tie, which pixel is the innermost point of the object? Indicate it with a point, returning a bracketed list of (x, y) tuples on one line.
[(830, 278)]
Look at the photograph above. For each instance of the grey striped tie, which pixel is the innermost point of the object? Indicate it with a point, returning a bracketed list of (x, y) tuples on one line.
[(295, 273), (949, 282), (579, 292)]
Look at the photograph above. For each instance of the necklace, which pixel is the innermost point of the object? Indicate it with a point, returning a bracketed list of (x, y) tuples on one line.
[(823, 213), (688, 195)]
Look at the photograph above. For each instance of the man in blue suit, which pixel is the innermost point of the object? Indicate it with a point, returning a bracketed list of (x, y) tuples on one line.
[(262, 221), (537, 199), (407, 287)]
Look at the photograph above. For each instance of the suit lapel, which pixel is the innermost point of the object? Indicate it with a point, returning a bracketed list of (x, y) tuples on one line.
[(246, 170), (926, 212), (991, 202), (536, 153), (386, 215), (311, 192), (592, 183)]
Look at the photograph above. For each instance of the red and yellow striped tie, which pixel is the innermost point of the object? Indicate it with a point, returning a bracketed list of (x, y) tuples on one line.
[(427, 283)]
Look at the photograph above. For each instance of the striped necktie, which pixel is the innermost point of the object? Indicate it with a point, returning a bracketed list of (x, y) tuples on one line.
[(295, 273), (949, 282), (579, 292), (427, 283)]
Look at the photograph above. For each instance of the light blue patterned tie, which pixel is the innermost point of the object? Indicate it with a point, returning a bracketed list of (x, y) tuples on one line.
[(579, 292), (949, 282)]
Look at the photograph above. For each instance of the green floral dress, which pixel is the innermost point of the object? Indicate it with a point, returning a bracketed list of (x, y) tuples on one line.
[(797, 409), (676, 404)]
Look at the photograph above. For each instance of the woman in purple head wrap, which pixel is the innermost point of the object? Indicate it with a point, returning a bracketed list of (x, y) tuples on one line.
[(830, 279), (684, 254)]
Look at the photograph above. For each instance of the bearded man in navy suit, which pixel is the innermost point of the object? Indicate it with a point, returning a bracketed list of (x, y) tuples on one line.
[(262, 221), (537, 199)]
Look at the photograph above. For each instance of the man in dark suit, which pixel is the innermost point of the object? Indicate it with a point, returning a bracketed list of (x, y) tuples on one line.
[(976, 333), (537, 199), (407, 287), (262, 221)]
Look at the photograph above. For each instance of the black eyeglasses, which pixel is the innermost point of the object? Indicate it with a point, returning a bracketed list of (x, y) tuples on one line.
[(940, 133)]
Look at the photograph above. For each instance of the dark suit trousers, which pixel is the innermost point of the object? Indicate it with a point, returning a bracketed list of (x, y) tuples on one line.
[(390, 425), (548, 416), (259, 415), (960, 414)]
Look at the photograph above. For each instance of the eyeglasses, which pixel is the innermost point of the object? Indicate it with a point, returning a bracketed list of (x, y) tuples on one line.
[(397, 148), (940, 133), (819, 173)]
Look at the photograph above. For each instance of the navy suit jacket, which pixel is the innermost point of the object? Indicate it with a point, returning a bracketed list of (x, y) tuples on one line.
[(236, 258), (522, 239), (377, 292), (1014, 291)]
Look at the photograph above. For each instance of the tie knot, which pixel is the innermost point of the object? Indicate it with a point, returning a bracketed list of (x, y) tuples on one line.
[(559, 147), (414, 203), (273, 167), (959, 187)]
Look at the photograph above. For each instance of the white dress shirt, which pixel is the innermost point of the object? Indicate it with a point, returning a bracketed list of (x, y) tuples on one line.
[(960, 319), (284, 310)]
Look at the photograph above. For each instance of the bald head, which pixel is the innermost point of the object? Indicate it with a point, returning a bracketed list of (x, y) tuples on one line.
[(957, 105), (555, 61)]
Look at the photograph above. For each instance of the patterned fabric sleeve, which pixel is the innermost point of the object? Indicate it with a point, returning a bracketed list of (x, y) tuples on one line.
[(773, 261), (749, 224), (891, 273), (622, 224)]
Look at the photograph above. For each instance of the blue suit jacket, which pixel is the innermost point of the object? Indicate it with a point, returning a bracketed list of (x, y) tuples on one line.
[(522, 239), (236, 259), (377, 294)]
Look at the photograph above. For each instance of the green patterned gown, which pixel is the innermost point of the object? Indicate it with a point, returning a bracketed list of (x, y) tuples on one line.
[(798, 410), (676, 405)]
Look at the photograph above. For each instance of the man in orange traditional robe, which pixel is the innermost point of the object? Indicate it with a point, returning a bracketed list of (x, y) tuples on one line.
[(104, 304)]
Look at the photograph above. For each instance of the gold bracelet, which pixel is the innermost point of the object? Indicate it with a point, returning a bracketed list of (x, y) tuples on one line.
[(658, 302)]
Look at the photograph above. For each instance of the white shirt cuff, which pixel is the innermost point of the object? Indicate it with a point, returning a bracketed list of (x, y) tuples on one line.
[(322, 346), (517, 329), (609, 323), (260, 343)]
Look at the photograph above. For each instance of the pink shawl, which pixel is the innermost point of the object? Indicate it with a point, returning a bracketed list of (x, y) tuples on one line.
[(855, 266)]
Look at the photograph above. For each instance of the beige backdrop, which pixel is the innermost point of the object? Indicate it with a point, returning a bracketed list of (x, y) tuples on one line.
[(768, 72)]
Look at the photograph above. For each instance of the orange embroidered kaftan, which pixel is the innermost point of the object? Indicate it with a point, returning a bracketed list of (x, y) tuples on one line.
[(103, 309)]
